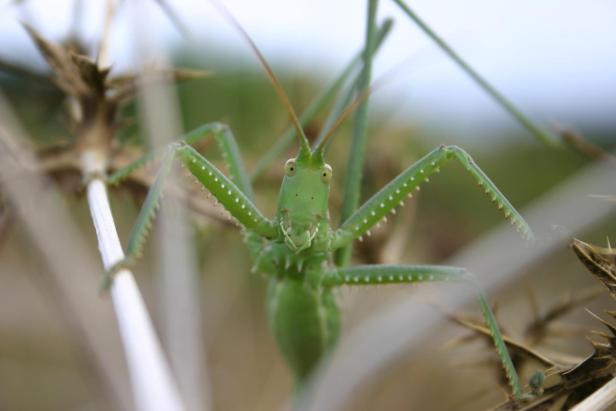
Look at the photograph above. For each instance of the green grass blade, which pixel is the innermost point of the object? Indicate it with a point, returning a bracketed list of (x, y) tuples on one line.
[(483, 83), (346, 99), (353, 174)]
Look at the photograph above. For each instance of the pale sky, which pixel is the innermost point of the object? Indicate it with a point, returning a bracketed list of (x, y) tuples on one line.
[(556, 59)]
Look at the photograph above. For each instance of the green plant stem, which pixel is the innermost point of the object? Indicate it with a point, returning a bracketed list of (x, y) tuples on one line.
[(483, 83), (352, 185), (345, 100)]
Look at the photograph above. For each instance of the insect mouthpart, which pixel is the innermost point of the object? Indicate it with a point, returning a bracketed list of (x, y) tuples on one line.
[(298, 237)]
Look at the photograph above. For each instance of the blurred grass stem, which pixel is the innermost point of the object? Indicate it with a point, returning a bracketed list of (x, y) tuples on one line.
[(352, 184), (178, 275), (482, 82)]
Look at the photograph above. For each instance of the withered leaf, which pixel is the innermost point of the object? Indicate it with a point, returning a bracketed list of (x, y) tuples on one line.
[(601, 262), (66, 74), (537, 330), (90, 72), (513, 346)]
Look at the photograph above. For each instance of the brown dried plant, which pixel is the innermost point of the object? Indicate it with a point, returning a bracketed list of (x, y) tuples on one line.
[(94, 99), (564, 380), (573, 383)]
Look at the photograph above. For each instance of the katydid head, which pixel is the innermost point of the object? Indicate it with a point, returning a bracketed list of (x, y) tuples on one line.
[(303, 200), (304, 194)]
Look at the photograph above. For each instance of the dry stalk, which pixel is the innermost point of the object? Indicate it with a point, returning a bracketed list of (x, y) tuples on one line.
[(600, 400), (95, 100), (153, 385)]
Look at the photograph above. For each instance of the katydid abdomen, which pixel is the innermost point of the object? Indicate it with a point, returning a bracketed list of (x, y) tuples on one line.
[(305, 322)]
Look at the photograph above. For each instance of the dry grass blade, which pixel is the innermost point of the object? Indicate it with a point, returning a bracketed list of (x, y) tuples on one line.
[(577, 141), (516, 347), (605, 323), (537, 330), (580, 385), (601, 262), (601, 400)]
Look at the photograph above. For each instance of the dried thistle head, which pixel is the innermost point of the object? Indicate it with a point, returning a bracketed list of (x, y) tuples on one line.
[(94, 98), (581, 380)]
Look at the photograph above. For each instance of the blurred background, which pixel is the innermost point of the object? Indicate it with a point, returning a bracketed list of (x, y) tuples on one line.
[(554, 59)]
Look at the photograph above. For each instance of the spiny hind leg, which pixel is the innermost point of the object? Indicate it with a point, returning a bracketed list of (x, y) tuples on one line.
[(407, 274), (393, 194)]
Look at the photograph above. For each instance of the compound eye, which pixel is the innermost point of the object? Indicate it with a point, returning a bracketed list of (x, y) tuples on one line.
[(326, 174), (290, 167)]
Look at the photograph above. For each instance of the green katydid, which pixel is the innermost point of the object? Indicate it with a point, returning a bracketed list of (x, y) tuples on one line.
[(294, 250)]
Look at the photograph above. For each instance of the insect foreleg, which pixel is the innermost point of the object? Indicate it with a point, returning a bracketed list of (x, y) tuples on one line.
[(226, 143), (191, 137), (401, 187), (396, 274), (235, 201), (239, 205)]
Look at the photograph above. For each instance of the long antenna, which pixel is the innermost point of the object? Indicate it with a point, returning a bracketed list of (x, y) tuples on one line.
[(381, 81), (305, 146), (320, 149)]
